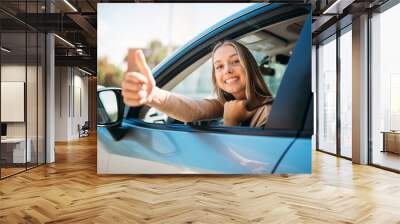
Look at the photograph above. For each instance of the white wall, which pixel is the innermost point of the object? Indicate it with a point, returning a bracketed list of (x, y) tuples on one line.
[(71, 94), (61, 103), (16, 73)]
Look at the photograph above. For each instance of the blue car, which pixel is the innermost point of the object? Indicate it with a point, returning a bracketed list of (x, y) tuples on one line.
[(142, 140)]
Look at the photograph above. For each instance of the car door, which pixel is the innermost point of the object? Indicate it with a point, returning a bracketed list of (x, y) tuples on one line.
[(282, 146)]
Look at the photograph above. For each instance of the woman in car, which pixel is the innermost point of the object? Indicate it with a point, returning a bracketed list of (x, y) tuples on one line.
[(243, 98)]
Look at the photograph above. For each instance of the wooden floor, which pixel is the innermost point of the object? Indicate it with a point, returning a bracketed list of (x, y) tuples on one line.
[(70, 191), (388, 159), (10, 171)]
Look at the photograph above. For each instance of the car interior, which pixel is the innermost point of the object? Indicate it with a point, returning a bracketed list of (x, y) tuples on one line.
[(272, 48)]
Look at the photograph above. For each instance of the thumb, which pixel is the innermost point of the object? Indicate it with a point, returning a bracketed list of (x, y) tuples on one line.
[(141, 64), (130, 59)]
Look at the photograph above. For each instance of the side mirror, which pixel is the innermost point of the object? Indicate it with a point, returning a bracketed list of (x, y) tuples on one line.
[(110, 107)]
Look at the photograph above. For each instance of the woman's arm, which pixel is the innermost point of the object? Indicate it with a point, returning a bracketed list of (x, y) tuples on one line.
[(183, 108), (138, 88)]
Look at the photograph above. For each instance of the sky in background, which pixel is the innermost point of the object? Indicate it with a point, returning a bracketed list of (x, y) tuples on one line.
[(133, 25)]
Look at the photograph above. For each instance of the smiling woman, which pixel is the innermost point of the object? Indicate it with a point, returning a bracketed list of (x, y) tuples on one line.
[(238, 80)]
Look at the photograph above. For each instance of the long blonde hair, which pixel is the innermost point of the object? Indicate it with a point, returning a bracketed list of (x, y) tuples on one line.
[(255, 85)]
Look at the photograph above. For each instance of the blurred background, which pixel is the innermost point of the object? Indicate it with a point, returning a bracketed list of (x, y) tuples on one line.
[(158, 29)]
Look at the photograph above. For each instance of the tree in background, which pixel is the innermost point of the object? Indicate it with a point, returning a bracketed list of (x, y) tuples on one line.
[(111, 75), (156, 53)]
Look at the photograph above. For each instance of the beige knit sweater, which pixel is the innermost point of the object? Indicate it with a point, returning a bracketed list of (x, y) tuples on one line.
[(186, 109)]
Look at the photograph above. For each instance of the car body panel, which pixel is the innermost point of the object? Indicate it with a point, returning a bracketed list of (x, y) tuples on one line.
[(207, 152)]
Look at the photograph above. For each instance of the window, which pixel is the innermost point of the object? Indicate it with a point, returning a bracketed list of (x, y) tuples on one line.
[(23, 76), (345, 93), (270, 47), (198, 84), (327, 95), (385, 88)]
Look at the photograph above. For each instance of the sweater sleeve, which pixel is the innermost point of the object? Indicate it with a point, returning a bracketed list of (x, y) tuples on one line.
[(186, 109), (261, 116)]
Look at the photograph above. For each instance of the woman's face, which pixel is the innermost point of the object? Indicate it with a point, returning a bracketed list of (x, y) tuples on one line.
[(229, 71)]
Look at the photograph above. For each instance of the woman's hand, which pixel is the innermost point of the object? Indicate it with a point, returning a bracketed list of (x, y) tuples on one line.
[(235, 112), (138, 87)]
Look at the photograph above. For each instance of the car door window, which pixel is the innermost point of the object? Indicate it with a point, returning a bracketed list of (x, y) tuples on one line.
[(271, 46), (198, 84), (271, 68)]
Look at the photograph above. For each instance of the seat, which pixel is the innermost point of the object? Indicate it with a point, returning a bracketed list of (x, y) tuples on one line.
[(84, 130)]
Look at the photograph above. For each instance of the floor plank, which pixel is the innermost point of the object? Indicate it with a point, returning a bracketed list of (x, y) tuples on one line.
[(70, 191)]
